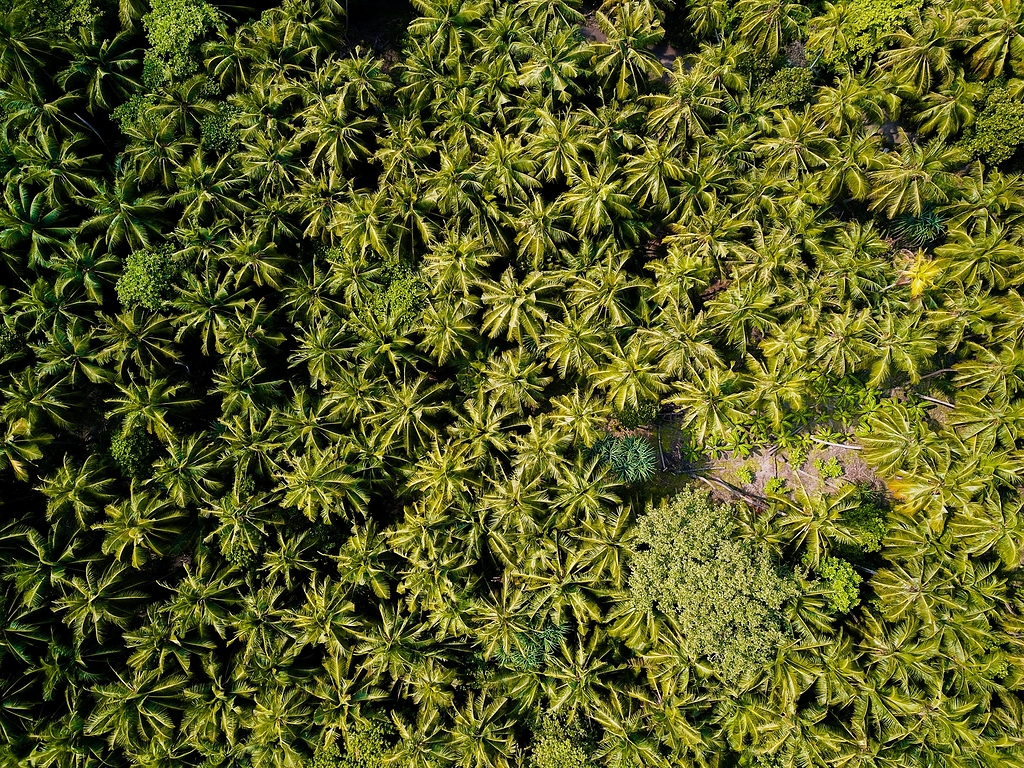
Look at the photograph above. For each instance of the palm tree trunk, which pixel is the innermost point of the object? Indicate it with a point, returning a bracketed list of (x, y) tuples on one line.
[(836, 445), (935, 400)]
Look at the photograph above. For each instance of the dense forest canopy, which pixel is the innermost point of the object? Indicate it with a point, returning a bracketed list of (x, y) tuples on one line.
[(479, 384)]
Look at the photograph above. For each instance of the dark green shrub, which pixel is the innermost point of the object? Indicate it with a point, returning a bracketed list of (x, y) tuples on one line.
[(560, 742), (176, 27), (789, 86), (640, 415), (61, 15), (724, 591), (134, 111), (147, 277), (11, 342), (531, 648), (998, 130), (842, 582), (865, 27), (219, 132), (132, 449), (925, 228), (402, 295), (631, 458), (367, 745), (870, 523)]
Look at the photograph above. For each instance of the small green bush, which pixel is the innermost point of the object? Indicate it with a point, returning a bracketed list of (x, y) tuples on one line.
[(219, 132), (925, 228), (403, 294), (865, 27), (843, 584), (532, 647), (775, 485), (631, 458), (176, 27), (797, 455), (133, 112), (640, 415), (829, 470), (724, 591), (367, 745), (11, 342), (147, 277), (560, 742), (870, 523), (61, 15), (132, 450), (998, 130), (745, 475), (789, 86)]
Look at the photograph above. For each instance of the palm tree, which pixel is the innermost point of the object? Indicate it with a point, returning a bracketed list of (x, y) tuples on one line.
[(124, 211), (516, 307), (105, 67), (924, 57), (189, 471), (137, 710), (141, 525), (98, 600), (323, 483), (553, 63), (447, 26), (480, 735), (769, 24), (798, 145), (913, 176), (712, 405), (998, 43), (623, 61), (58, 166), (150, 405), (29, 220), (597, 202), (138, 337), (78, 489)]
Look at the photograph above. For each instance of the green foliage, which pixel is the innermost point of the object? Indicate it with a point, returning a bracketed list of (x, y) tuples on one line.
[(725, 592), (530, 648), (744, 474), (633, 459), (12, 342), (148, 276), (61, 15), (131, 114), (798, 454), (367, 744), (176, 27), (156, 72), (133, 449), (789, 86), (560, 742), (842, 582), (998, 130), (775, 485), (865, 26), (219, 132), (871, 524), (403, 294), (640, 415), (829, 470), (920, 229)]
